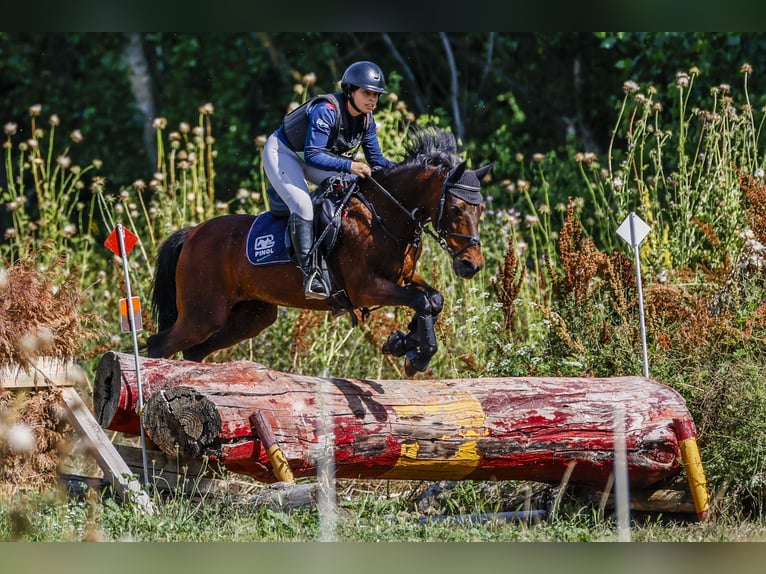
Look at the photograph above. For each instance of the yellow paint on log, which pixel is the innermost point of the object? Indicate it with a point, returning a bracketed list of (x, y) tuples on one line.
[(279, 465), (696, 476), (466, 416)]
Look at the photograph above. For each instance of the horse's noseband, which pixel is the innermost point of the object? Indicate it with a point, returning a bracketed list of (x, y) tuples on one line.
[(471, 194)]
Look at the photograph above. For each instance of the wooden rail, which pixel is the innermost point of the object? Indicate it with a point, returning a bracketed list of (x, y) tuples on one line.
[(48, 372)]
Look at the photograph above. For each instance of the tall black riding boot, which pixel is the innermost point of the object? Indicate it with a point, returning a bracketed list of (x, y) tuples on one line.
[(302, 235)]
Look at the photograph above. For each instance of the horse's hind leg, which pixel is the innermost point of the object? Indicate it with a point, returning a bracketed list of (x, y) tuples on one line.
[(195, 323), (245, 321), (167, 343)]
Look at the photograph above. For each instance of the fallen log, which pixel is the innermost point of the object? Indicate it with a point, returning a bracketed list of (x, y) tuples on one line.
[(507, 428), (115, 396)]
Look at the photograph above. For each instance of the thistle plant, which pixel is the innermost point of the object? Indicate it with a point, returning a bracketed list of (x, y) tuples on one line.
[(43, 196), (683, 182), (181, 191)]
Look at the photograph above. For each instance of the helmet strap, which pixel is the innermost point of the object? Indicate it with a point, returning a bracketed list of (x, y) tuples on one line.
[(350, 99)]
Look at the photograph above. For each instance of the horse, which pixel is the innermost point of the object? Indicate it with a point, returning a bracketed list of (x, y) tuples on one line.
[(207, 295)]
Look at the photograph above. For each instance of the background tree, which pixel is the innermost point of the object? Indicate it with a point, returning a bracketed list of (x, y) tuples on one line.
[(502, 93)]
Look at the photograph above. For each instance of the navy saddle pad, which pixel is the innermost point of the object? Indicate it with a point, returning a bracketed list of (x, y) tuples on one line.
[(266, 240)]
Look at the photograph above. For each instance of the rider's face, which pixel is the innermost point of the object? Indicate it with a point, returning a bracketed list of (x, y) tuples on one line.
[(364, 99)]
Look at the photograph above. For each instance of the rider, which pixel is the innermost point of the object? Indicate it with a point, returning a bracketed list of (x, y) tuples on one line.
[(318, 140)]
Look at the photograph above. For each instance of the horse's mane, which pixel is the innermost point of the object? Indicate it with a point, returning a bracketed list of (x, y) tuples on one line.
[(431, 146)]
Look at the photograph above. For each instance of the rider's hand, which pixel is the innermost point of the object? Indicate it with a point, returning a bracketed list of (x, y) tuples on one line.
[(360, 169)]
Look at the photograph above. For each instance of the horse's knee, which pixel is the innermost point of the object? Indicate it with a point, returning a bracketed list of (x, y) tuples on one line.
[(436, 301), (431, 303)]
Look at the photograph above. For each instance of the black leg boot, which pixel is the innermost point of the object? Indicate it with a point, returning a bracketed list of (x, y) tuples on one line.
[(302, 235)]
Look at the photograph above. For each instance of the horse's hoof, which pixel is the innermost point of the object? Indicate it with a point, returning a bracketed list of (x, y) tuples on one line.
[(395, 344), (416, 364)]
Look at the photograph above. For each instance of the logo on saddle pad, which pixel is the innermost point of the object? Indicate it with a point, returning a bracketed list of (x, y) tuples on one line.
[(266, 240), (263, 245)]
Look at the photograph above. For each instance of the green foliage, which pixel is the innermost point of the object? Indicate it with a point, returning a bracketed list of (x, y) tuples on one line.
[(683, 182), (82, 78), (43, 201), (516, 92)]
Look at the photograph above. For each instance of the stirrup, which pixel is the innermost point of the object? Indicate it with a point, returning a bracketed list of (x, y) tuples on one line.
[(307, 284)]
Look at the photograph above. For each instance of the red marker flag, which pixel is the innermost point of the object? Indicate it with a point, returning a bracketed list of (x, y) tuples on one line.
[(112, 242)]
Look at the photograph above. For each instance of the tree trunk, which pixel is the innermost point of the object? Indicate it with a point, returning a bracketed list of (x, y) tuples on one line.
[(509, 428), (141, 85)]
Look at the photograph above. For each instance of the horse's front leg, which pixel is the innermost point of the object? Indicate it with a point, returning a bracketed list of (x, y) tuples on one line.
[(419, 344)]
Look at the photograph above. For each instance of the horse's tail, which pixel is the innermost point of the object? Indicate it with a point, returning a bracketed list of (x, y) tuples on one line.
[(164, 310)]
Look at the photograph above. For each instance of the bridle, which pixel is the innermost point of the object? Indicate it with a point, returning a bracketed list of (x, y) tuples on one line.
[(469, 193)]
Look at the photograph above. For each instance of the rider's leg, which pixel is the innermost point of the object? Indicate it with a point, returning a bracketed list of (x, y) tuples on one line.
[(276, 205), (302, 235), (285, 171)]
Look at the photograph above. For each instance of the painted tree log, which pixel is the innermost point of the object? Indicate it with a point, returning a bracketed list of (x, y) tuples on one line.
[(115, 395), (508, 428)]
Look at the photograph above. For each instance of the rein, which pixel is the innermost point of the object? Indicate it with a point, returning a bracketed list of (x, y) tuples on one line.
[(395, 201)]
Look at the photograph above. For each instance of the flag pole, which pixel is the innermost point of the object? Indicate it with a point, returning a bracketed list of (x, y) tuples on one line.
[(132, 323)]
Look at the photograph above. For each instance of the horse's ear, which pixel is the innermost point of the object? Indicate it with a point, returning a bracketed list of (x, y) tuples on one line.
[(483, 170), (458, 172)]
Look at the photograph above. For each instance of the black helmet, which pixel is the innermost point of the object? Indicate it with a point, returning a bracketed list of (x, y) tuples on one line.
[(363, 75)]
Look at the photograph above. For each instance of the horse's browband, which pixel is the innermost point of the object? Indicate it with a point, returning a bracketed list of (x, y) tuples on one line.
[(465, 187)]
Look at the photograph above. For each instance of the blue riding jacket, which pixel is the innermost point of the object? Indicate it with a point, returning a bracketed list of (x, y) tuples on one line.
[(332, 137)]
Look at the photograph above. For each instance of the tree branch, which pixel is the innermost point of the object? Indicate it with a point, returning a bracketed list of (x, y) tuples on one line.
[(487, 61), (276, 56), (420, 108), (142, 88), (453, 86)]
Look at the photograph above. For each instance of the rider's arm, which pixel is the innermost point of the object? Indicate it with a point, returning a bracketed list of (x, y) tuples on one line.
[(371, 147), (321, 121)]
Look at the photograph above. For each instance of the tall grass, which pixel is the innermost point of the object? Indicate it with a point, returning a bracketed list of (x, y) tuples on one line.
[(699, 184), (682, 179), (45, 214)]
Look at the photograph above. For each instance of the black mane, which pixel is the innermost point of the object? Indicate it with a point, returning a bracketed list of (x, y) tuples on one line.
[(431, 146)]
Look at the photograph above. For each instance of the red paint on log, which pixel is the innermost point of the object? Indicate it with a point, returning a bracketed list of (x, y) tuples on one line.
[(514, 428), (685, 429)]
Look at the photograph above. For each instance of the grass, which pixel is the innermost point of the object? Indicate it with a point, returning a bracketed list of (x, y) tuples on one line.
[(367, 512)]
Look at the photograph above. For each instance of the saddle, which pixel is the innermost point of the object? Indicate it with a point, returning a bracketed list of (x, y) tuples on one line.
[(329, 200)]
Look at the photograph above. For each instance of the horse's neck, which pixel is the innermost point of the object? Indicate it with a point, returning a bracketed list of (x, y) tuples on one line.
[(411, 193)]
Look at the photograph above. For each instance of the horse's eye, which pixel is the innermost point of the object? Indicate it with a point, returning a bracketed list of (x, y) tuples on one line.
[(456, 211)]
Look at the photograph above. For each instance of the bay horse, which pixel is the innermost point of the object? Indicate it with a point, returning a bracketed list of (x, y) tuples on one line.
[(207, 295)]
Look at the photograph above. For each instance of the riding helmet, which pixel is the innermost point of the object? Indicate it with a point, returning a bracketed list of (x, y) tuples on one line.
[(363, 75)]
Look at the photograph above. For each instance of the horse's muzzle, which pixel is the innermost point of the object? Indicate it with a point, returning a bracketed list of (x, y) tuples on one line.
[(467, 267)]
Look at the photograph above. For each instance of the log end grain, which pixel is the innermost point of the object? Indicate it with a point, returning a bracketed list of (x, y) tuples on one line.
[(183, 419), (106, 389)]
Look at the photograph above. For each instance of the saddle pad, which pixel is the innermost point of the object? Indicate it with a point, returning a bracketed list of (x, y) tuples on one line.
[(266, 240)]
